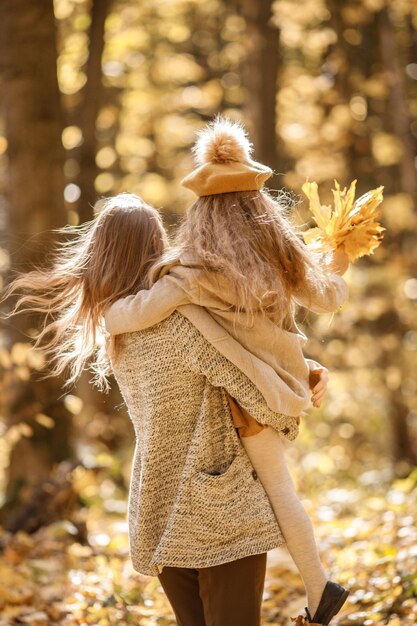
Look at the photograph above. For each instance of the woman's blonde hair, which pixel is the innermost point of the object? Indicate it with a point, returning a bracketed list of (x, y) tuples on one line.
[(103, 260), (248, 237)]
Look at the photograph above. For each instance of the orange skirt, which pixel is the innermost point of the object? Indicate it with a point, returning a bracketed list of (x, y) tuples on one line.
[(246, 425)]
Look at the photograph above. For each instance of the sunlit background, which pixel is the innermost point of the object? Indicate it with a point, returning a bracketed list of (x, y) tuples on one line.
[(327, 90)]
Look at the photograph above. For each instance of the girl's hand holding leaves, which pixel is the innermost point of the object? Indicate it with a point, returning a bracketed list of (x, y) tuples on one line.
[(351, 225)]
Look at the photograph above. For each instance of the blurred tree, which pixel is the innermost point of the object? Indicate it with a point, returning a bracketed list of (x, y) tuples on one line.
[(377, 54), (328, 90), (260, 76), (34, 123), (91, 100), (398, 106), (403, 181), (347, 110)]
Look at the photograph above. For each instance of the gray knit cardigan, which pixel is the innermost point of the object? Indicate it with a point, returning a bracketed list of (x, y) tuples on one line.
[(195, 499)]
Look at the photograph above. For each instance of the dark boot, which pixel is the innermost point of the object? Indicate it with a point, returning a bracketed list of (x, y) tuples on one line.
[(333, 598)]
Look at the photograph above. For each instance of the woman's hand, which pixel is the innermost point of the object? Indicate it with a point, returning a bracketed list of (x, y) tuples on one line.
[(318, 380), (340, 262)]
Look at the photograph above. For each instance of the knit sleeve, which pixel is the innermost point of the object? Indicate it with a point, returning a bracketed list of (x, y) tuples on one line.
[(145, 308), (203, 358), (325, 300)]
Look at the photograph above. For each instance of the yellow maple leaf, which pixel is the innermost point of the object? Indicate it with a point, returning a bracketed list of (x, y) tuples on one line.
[(350, 223)]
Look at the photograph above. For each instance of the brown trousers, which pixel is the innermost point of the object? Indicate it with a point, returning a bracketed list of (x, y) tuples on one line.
[(223, 595)]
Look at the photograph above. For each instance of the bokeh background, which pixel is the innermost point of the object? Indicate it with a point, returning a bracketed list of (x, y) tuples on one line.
[(104, 96)]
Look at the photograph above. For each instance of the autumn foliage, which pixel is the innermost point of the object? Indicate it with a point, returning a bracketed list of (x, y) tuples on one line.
[(104, 96), (351, 224)]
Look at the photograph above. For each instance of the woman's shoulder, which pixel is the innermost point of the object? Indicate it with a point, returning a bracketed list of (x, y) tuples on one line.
[(174, 327), (179, 326), (162, 347)]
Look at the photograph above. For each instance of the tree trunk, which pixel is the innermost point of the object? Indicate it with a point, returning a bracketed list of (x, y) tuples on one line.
[(404, 450), (34, 123), (398, 102), (90, 108), (377, 51), (403, 180), (260, 78)]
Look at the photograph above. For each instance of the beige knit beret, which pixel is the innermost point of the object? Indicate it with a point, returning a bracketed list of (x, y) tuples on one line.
[(222, 152)]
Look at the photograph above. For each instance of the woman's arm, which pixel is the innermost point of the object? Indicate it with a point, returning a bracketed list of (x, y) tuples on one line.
[(248, 426), (243, 421), (203, 358), (145, 308)]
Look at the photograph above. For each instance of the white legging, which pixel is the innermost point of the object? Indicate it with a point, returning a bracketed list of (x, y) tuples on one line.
[(267, 455)]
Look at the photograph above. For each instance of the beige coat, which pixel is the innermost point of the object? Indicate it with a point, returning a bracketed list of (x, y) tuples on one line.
[(195, 499), (269, 355)]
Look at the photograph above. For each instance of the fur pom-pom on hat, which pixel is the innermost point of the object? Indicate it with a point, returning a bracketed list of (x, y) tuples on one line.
[(223, 154), (222, 141)]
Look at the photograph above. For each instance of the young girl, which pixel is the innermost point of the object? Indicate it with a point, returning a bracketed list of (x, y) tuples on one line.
[(238, 258)]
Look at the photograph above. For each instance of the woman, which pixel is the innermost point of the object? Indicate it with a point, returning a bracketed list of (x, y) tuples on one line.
[(198, 516), (240, 260)]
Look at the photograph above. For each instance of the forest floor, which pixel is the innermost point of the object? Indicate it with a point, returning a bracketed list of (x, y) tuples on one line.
[(368, 542)]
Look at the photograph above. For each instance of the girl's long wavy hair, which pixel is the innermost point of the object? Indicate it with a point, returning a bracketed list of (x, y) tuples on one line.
[(103, 260), (248, 237)]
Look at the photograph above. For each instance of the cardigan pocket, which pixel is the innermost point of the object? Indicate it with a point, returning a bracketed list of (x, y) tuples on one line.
[(221, 502)]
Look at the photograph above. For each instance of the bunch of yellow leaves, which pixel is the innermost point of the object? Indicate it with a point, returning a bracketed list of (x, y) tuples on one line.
[(350, 223)]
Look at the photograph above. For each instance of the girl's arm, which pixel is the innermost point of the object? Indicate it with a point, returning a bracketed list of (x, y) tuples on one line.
[(145, 308), (335, 292)]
